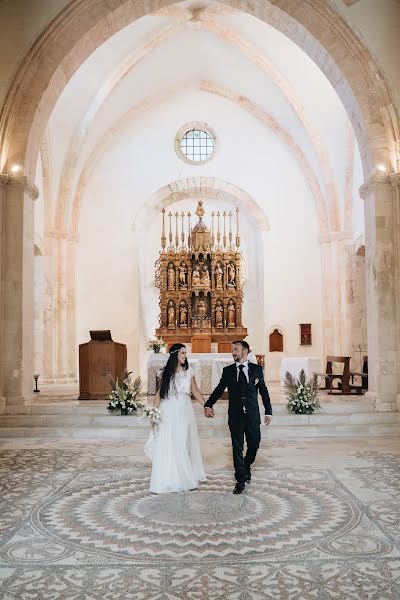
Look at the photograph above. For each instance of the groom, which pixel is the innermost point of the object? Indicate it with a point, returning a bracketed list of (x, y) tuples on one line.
[(244, 380)]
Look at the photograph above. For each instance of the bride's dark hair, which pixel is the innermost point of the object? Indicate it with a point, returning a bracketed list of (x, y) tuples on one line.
[(170, 368)]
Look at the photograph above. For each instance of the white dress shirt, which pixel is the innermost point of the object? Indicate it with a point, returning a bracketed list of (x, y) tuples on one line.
[(245, 370)]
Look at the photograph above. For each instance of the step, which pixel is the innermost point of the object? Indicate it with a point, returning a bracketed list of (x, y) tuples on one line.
[(94, 421), (83, 419), (80, 407), (221, 433)]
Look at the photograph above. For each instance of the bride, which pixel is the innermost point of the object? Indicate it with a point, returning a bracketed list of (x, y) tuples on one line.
[(174, 448)]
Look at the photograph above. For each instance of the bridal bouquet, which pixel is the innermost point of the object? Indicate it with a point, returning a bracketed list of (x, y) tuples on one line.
[(125, 397), (302, 393), (153, 414)]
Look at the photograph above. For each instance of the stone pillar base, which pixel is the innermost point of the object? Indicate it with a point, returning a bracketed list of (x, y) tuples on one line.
[(382, 405), (17, 405)]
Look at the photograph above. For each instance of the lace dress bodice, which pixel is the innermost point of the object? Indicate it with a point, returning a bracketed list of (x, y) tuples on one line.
[(181, 384)]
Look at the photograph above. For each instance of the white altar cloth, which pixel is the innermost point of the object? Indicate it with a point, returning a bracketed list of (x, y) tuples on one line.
[(207, 369), (310, 365)]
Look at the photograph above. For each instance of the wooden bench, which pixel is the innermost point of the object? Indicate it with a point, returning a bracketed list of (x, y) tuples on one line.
[(344, 386)]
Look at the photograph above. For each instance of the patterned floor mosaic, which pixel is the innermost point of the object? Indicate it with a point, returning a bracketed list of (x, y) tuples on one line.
[(79, 524)]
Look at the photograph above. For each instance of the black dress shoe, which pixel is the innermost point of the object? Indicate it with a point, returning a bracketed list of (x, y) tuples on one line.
[(248, 477), (239, 487)]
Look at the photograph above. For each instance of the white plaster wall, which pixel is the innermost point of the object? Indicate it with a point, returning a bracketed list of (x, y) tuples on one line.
[(283, 264)]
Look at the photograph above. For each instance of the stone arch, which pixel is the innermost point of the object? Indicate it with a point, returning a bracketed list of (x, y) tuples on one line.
[(81, 27), (200, 188)]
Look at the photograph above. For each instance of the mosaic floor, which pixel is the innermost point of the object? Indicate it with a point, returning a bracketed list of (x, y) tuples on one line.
[(320, 521)]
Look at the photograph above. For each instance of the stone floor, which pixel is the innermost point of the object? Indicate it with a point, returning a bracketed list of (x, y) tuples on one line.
[(320, 521)]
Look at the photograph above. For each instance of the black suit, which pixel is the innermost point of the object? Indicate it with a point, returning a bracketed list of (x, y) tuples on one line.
[(243, 413)]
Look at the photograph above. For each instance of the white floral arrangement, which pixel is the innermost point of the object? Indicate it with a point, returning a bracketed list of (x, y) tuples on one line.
[(155, 344), (125, 397), (153, 414), (302, 393)]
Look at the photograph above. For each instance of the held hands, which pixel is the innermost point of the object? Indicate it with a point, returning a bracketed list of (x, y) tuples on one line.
[(267, 419), (209, 412)]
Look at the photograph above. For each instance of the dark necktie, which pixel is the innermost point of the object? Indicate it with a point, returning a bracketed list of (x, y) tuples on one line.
[(243, 385), (242, 377)]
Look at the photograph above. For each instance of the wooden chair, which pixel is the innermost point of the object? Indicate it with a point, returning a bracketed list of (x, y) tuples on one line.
[(363, 375), (344, 386)]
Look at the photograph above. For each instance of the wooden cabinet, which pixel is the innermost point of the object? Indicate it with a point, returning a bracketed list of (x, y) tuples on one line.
[(97, 359), (225, 347), (201, 343)]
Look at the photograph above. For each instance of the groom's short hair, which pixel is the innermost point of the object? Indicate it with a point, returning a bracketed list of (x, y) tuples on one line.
[(243, 343)]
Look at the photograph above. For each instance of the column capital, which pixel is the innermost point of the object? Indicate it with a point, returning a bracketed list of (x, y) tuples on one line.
[(57, 234), (22, 183), (335, 236), (395, 179), (375, 181), (3, 180)]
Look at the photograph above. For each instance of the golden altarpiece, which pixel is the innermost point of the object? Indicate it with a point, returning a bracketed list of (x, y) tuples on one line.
[(200, 279)]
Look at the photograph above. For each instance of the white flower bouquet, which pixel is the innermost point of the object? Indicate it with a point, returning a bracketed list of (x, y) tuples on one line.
[(153, 414), (125, 397), (155, 345), (302, 393)]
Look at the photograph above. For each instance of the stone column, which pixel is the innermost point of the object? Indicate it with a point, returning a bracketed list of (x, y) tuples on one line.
[(359, 311), (64, 309), (17, 290), (44, 314), (72, 349), (3, 190), (335, 297), (382, 276), (48, 314)]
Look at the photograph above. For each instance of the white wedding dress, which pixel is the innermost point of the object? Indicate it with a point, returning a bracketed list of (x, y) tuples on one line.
[(174, 445)]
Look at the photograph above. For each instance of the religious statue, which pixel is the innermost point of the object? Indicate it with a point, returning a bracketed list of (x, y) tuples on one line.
[(231, 275), (205, 277), (196, 276), (171, 314), (201, 308), (218, 275), (219, 314), (171, 277), (183, 314), (182, 275), (231, 310)]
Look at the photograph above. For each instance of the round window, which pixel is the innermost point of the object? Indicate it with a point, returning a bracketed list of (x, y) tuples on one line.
[(195, 143)]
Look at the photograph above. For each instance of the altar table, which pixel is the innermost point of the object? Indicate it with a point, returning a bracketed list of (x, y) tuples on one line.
[(207, 369), (310, 365)]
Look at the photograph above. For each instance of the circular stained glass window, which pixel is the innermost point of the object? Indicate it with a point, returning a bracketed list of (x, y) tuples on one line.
[(195, 143)]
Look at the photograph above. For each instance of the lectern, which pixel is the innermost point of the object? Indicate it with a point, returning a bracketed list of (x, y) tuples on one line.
[(97, 359)]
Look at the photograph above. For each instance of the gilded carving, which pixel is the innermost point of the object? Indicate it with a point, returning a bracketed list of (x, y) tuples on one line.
[(199, 280)]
